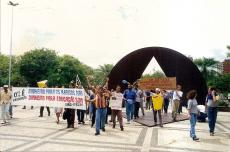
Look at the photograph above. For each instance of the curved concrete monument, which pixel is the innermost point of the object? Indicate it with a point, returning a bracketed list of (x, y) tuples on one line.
[(173, 63)]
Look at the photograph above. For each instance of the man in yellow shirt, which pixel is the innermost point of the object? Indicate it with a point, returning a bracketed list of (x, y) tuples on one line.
[(158, 100)]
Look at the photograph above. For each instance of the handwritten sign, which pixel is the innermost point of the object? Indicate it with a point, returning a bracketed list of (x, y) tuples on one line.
[(167, 83), (52, 97)]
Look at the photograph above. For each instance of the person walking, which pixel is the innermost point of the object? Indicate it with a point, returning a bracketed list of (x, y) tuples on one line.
[(211, 103), (166, 101), (192, 112), (117, 96), (137, 101), (177, 95), (148, 100), (5, 98), (129, 97), (158, 100)]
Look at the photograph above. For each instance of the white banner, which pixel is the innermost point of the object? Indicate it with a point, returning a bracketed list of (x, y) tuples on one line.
[(52, 97)]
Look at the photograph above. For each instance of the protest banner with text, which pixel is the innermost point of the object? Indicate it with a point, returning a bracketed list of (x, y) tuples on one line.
[(167, 83), (52, 97)]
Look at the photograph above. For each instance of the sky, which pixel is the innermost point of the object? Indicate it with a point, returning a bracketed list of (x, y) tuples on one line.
[(98, 32)]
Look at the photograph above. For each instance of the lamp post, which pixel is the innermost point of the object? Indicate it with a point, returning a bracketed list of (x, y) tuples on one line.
[(11, 37)]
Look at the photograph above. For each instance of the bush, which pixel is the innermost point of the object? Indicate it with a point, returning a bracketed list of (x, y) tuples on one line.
[(222, 103)]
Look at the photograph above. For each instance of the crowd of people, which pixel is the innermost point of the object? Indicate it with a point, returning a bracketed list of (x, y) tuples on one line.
[(132, 99)]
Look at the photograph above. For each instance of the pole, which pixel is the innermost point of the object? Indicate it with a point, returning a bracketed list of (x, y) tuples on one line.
[(0, 27), (11, 42)]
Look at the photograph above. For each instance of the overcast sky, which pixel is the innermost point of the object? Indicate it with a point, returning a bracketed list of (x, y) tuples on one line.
[(103, 31)]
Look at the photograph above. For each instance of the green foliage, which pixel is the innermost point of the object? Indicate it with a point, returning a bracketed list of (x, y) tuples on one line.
[(156, 74), (208, 68), (101, 73), (228, 53), (222, 103), (222, 83), (37, 65), (16, 78)]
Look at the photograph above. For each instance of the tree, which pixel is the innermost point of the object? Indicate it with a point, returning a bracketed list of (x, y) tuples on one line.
[(101, 73), (208, 67), (16, 78), (37, 65), (223, 83), (228, 53), (67, 69), (156, 74)]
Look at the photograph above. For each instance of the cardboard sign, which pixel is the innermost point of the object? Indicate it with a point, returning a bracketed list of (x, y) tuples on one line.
[(51, 97), (116, 101), (167, 83)]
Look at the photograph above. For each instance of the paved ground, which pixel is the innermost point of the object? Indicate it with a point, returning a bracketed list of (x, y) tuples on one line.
[(28, 132)]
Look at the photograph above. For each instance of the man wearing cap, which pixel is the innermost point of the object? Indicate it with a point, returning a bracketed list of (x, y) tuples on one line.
[(5, 97), (158, 100)]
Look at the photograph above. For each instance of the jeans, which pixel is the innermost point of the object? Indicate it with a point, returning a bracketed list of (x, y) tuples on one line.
[(80, 115), (193, 119), (129, 111), (136, 110), (212, 114), (11, 110), (166, 105), (5, 112), (100, 119)]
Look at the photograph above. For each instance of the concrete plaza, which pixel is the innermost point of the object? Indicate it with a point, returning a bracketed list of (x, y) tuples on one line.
[(28, 132)]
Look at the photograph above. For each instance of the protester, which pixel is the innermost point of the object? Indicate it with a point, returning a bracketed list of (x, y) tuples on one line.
[(80, 112), (166, 100), (117, 95), (177, 95), (158, 100), (70, 113), (193, 112), (42, 107), (5, 98), (58, 111), (129, 97), (92, 106), (211, 103), (139, 96), (148, 100), (101, 109)]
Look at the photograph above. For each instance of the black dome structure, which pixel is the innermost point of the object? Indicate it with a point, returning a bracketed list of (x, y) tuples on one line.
[(173, 63)]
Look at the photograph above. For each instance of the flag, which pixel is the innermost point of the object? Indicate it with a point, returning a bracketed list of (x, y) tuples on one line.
[(42, 84)]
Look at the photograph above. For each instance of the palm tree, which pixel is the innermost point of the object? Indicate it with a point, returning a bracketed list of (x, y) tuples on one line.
[(208, 67), (228, 53)]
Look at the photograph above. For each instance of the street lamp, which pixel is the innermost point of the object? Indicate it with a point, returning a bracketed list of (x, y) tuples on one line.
[(11, 37)]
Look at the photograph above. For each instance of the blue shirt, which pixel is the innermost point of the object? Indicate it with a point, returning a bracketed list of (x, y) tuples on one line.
[(130, 96)]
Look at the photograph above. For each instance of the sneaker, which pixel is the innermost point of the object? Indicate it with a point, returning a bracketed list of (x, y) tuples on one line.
[(122, 128), (97, 133), (79, 122), (103, 129), (211, 133), (195, 139), (40, 116)]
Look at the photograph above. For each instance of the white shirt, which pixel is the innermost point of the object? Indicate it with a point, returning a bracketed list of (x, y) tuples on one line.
[(139, 95), (177, 97)]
